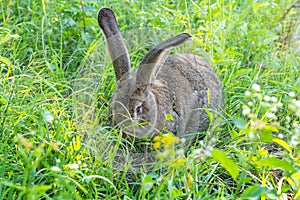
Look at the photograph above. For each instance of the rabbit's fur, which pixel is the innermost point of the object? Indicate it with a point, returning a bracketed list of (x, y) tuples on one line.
[(176, 87)]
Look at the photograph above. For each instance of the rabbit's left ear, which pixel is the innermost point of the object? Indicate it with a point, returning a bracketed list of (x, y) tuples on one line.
[(155, 58), (116, 46)]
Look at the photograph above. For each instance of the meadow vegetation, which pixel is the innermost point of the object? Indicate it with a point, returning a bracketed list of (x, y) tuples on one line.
[(56, 81)]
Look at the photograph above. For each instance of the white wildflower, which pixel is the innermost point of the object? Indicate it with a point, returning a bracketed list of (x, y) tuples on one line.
[(295, 124), (207, 152), (247, 93), (256, 87), (280, 135), (198, 151), (209, 148), (251, 135), (267, 98), (270, 115), (292, 94), (55, 168), (250, 103), (297, 103), (294, 140), (180, 152), (288, 118), (246, 110), (276, 124), (274, 99), (274, 109), (74, 166), (48, 117), (183, 140), (213, 140), (32, 132)]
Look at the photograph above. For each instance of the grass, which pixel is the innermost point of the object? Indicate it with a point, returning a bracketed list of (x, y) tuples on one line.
[(57, 80)]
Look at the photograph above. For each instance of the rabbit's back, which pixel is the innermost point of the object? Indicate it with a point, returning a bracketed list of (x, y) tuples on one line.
[(194, 86)]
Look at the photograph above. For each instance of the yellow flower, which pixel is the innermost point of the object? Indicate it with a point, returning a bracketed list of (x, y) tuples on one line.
[(76, 145), (156, 145), (190, 181), (169, 139), (178, 163), (28, 145), (156, 138)]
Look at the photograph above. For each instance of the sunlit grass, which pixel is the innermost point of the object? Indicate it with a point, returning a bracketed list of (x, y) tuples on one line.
[(56, 142)]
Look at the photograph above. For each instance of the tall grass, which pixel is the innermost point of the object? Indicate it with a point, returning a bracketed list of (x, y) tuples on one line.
[(56, 142)]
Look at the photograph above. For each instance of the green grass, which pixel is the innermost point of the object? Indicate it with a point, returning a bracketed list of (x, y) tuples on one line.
[(56, 81)]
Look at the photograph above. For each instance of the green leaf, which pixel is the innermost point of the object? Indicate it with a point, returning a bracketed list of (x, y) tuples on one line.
[(240, 123), (4, 60), (169, 117), (227, 163), (271, 128), (36, 191), (176, 193), (88, 178), (148, 186), (266, 135), (270, 38), (209, 114), (257, 191), (3, 100), (283, 144), (253, 192), (296, 178), (147, 183), (276, 163)]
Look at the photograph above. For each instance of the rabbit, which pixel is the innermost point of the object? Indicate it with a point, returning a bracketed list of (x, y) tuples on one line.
[(166, 93)]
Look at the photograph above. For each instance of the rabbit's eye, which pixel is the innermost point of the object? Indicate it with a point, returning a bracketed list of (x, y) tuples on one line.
[(138, 110)]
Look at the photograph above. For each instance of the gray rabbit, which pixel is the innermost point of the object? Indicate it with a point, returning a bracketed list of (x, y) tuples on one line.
[(165, 93)]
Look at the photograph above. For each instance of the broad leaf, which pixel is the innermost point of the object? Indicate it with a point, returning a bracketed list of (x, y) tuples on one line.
[(227, 163), (240, 123), (253, 192), (283, 144), (276, 163)]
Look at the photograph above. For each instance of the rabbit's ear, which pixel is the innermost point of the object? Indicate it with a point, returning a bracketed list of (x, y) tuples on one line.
[(116, 46), (155, 58)]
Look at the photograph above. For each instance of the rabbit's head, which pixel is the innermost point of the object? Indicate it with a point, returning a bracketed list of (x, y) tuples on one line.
[(134, 105)]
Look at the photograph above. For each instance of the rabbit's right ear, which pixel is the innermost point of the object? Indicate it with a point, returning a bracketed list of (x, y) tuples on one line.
[(115, 44), (155, 58)]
